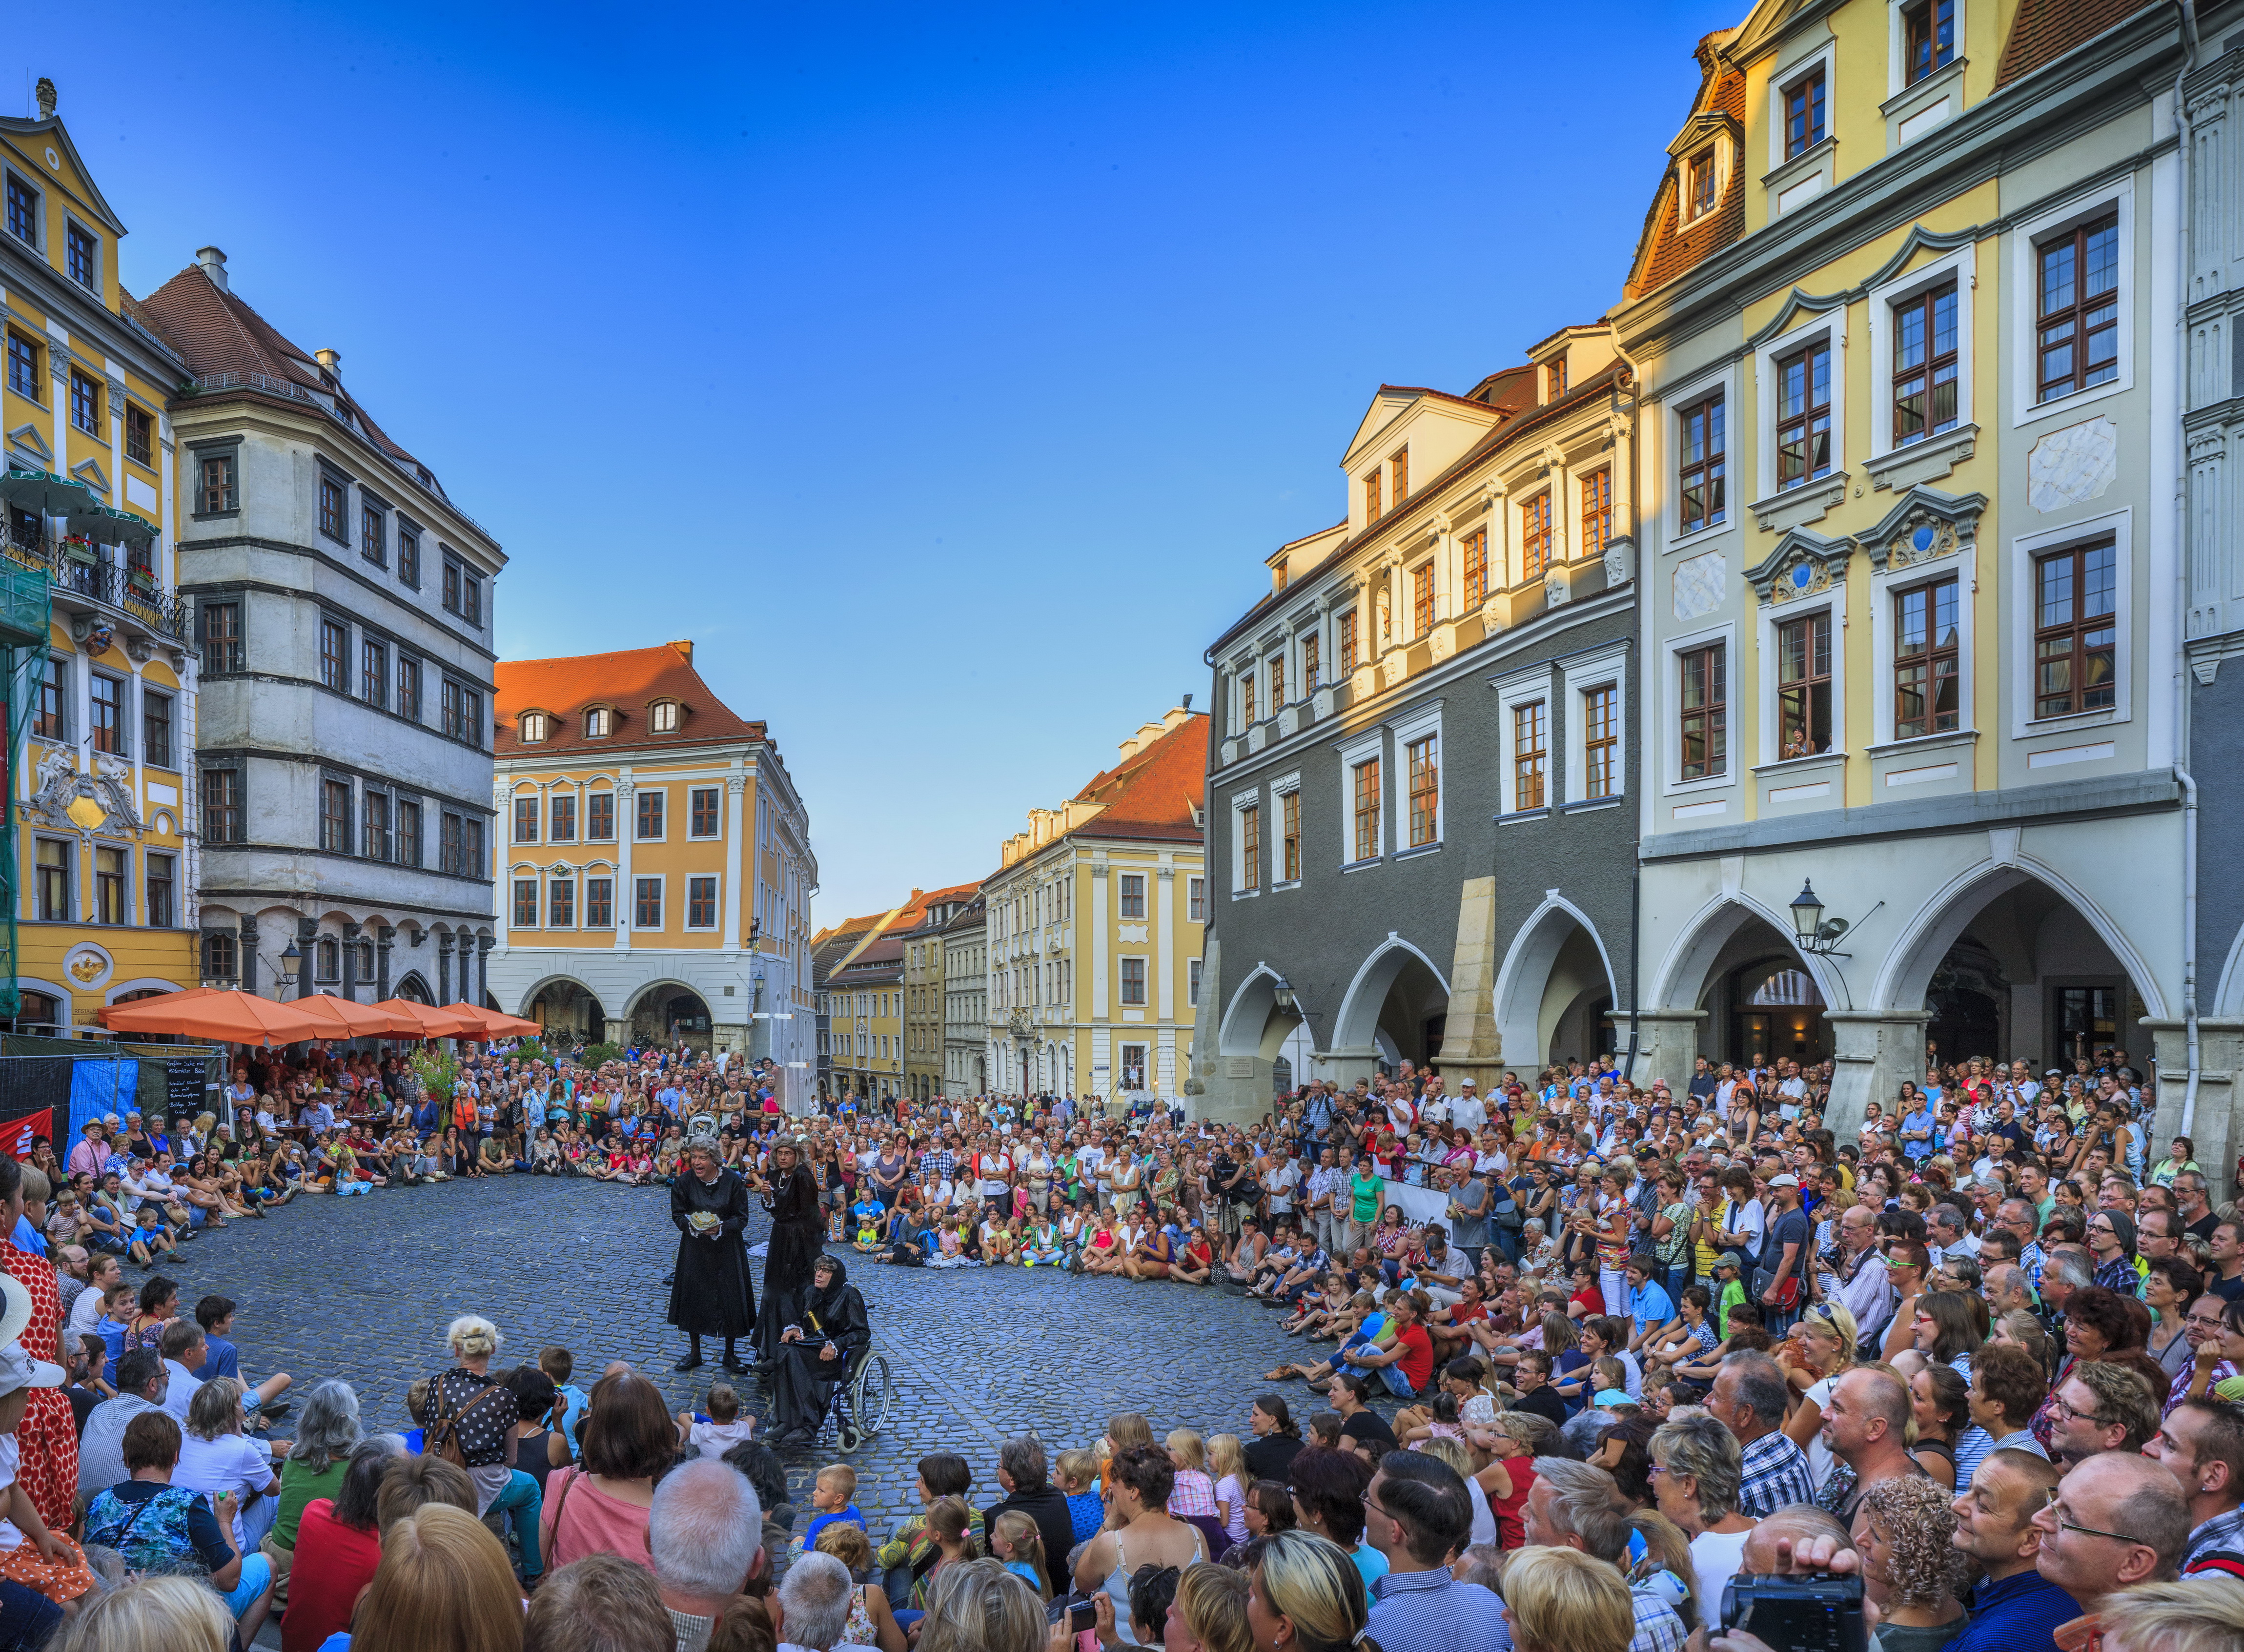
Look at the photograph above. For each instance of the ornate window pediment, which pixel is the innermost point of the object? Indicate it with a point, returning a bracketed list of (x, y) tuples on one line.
[(1923, 525), (66, 799), (1803, 564)]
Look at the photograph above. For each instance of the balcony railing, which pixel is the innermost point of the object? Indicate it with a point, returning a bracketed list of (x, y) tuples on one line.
[(126, 590)]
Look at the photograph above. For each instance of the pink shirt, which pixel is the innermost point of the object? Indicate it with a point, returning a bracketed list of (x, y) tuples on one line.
[(590, 1522)]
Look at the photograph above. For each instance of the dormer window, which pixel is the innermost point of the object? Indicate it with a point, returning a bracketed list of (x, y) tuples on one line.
[(1373, 497), (533, 727), (596, 723), (662, 716), (1398, 469), (1554, 377), (1699, 183)]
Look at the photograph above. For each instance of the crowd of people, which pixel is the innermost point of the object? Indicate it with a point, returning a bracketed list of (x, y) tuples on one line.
[(1576, 1355)]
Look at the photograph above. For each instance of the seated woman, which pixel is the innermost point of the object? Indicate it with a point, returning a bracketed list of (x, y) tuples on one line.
[(817, 1351), (545, 1153), (158, 1527), (1151, 1256), (907, 1239)]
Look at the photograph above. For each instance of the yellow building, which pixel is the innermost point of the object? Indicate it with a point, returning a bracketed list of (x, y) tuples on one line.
[(1094, 927), (925, 1000), (1904, 319), (101, 701), (656, 869)]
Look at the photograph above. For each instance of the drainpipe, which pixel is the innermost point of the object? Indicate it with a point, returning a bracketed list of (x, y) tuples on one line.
[(2186, 11), (1635, 662)]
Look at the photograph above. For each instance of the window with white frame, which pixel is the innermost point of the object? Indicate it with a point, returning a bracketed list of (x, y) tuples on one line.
[(1920, 329), (1701, 462), (1802, 377), (1596, 690), (1417, 743), (2073, 614), (1362, 800), (1246, 843), (1927, 659), (2075, 290), (1523, 724), (1700, 723), (1286, 849)]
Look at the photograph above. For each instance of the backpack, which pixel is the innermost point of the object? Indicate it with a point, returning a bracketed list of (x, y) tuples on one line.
[(442, 1438)]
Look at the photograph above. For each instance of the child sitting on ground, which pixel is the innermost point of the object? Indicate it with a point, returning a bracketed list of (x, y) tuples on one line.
[(558, 1362), (1077, 1473), (150, 1238), (1193, 1492), (830, 1495), (722, 1429), (1015, 1541)]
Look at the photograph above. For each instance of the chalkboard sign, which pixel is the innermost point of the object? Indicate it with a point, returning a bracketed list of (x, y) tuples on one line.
[(184, 1094)]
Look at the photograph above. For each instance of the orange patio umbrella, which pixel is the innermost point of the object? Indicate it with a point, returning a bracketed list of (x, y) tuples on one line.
[(433, 1022), (353, 1020), (218, 1018), (496, 1024)]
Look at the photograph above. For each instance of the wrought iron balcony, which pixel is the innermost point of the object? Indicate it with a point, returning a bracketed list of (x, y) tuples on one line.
[(92, 580)]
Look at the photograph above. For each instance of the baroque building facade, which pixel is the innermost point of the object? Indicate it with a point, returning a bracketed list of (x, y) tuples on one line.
[(658, 863), (101, 699), (966, 1000), (1903, 315), (1093, 925), (342, 617), (1420, 827)]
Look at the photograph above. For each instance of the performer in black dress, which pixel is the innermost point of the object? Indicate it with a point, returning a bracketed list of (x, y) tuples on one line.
[(711, 1296), (815, 1352), (798, 1235)]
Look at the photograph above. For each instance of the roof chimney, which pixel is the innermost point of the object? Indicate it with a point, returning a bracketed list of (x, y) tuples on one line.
[(212, 260), (46, 98), (686, 648), (333, 361)]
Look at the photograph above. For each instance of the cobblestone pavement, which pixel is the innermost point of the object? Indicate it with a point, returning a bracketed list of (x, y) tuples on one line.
[(362, 1289)]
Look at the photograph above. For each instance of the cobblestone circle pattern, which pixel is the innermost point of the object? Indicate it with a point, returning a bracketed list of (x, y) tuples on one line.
[(362, 1288)]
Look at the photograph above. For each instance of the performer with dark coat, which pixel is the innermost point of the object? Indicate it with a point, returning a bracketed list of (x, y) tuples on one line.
[(711, 1296), (816, 1351), (798, 1235)]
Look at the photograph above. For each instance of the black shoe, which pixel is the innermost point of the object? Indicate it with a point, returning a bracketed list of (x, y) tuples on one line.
[(278, 1408), (692, 1362), (733, 1362)]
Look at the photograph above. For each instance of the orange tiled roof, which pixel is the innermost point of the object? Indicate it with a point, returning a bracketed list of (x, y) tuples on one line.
[(2044, 31), (627, 682), (1157, 792), (214, 330), (1667, 248)]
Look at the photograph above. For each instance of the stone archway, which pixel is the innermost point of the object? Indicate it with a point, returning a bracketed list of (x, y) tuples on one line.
[(1394, 1011), (1555, 993)]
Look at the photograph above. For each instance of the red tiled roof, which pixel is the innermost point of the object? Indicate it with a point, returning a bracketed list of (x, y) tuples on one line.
[(214, 330), (1157, 793), (628, 682), (1667, 248), (2044, 31)]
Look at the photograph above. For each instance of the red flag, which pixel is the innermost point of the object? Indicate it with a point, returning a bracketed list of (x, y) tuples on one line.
[(18, 1133)]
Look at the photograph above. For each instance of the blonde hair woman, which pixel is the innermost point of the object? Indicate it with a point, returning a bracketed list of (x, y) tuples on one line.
[(1304, 1593), (1559, 1600), (1820, 1352), (1210, 1607), (980, 1607), (443, 1582), (159, 1613), (2202, 1613)]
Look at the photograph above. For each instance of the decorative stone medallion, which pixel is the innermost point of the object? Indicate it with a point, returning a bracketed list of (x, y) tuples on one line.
[(2073, 465)]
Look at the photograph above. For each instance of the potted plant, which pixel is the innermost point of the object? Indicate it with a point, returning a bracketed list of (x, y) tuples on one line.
[(79, 548)]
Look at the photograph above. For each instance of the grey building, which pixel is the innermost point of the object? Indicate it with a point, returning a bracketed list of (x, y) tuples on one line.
[(343, 613), (1420, 842)]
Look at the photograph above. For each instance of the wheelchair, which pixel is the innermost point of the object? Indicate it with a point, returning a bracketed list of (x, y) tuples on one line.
[(859, 1407)]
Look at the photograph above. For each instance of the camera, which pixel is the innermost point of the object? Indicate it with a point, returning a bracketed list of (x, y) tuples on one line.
[(1818, 1614)]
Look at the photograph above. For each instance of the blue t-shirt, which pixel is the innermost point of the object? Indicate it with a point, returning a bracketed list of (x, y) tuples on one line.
[(849, 1516), (1919, 1121), (224, 1361), (1649, 1305), (2014, 1612), (26, 1237)]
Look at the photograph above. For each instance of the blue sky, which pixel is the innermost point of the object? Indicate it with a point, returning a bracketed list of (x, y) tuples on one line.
[(945, 373)]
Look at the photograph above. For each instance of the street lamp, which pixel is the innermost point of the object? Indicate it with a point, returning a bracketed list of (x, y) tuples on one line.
[(1817, 934), (1806, 915), (291, 961), (1281, 991)]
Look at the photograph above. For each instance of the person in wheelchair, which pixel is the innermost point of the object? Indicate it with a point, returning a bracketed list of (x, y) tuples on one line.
[(819, 1351)]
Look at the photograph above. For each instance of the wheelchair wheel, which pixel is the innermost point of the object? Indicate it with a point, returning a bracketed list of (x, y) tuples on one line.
[(872, 1394)]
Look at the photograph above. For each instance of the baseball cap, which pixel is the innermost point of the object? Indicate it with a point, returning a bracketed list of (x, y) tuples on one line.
[(1784, 1179), (1730, 1259), (1467, 1084)]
